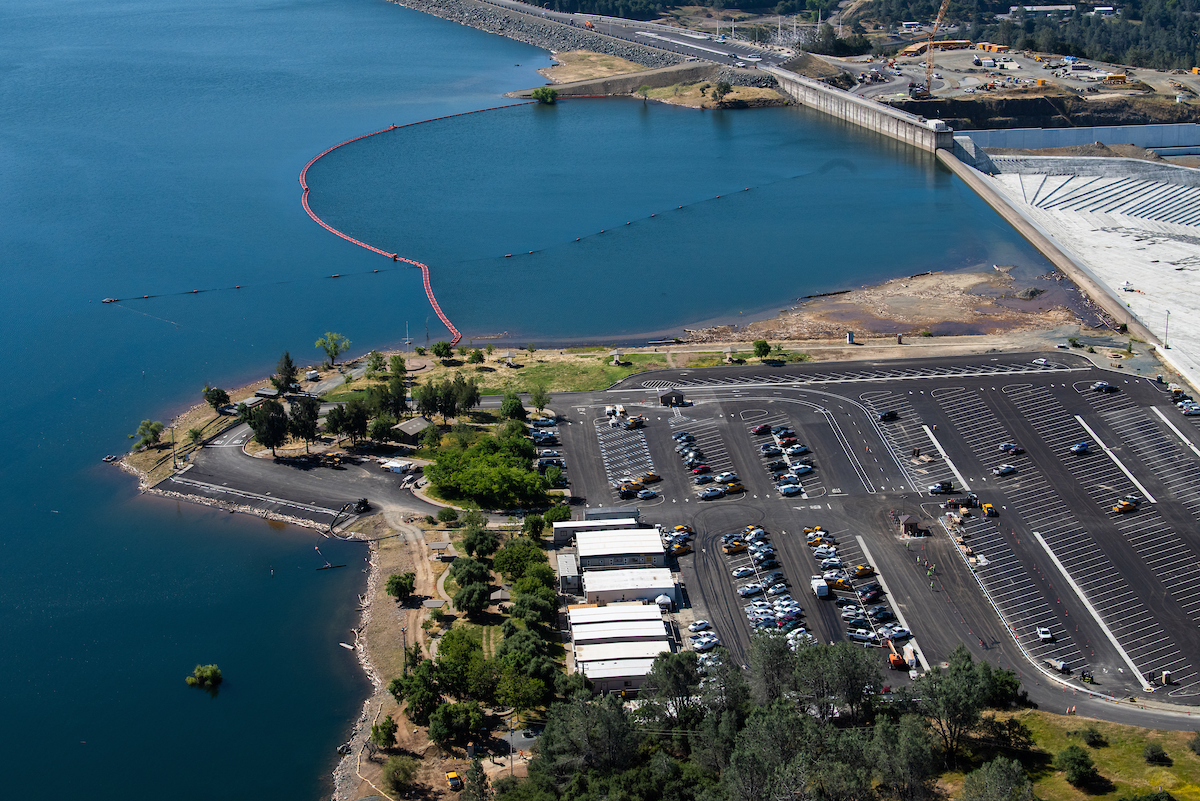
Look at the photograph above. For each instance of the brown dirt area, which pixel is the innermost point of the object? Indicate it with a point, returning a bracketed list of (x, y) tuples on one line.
[(584, 65), (741, 97), (943, 303), (1093, 149)]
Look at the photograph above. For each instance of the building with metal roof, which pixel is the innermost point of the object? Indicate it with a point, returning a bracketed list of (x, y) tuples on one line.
[(607, 550), (635, 584)]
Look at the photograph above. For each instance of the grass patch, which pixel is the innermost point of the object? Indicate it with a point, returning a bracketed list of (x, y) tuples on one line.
[(690, 94), (156, 461), (1121, 762), (584, 65)]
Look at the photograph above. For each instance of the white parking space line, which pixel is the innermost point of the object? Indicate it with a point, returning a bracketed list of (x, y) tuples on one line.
[(1145, 493), (1176, 431), (892, 605), (1092, 610), (946, 456)]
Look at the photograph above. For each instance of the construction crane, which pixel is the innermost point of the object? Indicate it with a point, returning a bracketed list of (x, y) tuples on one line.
[(927, 92)]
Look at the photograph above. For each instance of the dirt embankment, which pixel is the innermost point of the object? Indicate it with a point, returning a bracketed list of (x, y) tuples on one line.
[(1039, 108), (818, 69), (937, 303), (1095, 149)]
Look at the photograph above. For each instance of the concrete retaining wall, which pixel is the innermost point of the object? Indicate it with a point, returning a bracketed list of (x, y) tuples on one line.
[(917, 131), (1184, 134)]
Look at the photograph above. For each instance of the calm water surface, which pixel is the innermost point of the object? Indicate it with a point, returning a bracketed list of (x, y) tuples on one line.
[(149, 148)]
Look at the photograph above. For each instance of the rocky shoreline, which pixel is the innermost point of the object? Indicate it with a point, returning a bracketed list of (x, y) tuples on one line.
[(543, 33)]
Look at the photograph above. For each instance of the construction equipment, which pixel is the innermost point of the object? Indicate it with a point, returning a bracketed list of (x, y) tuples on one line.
[(588, 24), (453, 780), (937, 23), (895, 661)]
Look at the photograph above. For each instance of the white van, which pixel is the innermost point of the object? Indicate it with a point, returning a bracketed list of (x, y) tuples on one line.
[(312, 375)]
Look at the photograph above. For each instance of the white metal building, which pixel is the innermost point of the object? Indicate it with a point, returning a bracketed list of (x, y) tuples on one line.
[(634, 584), (566, 530), (609, 550), (613, 613), (622, 631), (568, 574), (607, 652)]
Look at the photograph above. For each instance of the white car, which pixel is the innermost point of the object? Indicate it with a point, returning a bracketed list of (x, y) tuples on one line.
[(699, 625), (706, 645), (801, 469), (1003, 470), (895, 633), (862, 635), (742, 572), (788, 490), (725, 478), (831, 563), (1044, 634), (1041, 362), (750, 589), (851, 612)]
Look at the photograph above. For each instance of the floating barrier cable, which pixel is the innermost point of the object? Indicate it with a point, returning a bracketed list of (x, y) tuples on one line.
[(393, 256)]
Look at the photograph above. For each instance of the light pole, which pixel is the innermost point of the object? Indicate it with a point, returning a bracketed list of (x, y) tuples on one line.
[(1166, 329), (404, 645), (510, 743)]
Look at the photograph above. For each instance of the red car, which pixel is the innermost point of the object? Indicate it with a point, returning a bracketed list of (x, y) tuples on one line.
[(761, 429), (700, 468), (786, 441)]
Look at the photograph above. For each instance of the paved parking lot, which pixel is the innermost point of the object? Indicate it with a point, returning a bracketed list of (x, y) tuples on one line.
[(1115, 591)]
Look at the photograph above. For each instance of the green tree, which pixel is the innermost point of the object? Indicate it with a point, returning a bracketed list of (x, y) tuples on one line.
[(557, 514), (302, 422), (533, 526), (442, 350), (476, 357), (490, 349), (333, 344), (148, 433), (337, 420), (720, 91), (762, 348), (1077, 764), (383, 733), (466, 393), (516, 557), (215, 397), (999, 780), (357, 417), (455, 723), (396, 365), (269, 422), (401, 585), (644, 91), (671, 690), (771, 667), (447, 515), (532, 348), (511, 408), (903, 755), (953, 701), (399, 773), (545, 95), (425, 396), (381, 427), (375, 364), (473, 599), (480, 541), (195, 435), (206, 677), (856, 678), (465, 570), (539, 397), (1155, 755), (286, 373), (476, 786), (431, 438), (420, 689), (473, 518), (520, 692)]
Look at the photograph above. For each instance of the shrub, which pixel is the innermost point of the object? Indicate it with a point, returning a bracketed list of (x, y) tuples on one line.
[(398, 773), (1077, 765), (447, 515), (1093, 738), (1155, 754), (557, 514), (1194, 743)]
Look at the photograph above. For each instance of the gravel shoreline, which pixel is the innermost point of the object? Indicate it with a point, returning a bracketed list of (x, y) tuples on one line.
[(543, 33)]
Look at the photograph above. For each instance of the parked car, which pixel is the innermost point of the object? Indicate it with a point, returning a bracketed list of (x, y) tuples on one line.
[(762, 428), (742, 572), (700, 468), (647, 494), (788, 490), (862, 635), (884, 417), (1003, 470), (1011, 447), (940, 488), (726, 477), (770, 450), (702, 479), (711, 493), (746, 590), (1080, 447), (700, 625)]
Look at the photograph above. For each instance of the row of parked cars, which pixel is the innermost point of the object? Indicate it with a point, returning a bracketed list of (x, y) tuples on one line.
[(784, 453), (770, 605), (867, 618), (702, 475)]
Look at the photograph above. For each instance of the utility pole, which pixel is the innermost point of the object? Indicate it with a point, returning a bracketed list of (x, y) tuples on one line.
[(1166, 346), (510, 743), (174, 464), (404, 644)]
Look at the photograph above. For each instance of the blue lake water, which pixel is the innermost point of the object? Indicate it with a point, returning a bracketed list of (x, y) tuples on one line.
[(149, 148)]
